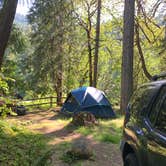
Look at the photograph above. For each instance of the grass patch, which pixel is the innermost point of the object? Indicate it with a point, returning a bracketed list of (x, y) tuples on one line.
[(107, 131), (63, 147), (107, 137), (18, 146), (85, 130), (69, 158)]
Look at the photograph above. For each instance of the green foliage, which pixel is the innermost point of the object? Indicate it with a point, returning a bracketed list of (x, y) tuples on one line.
[(4, 106), (16, 60), (110, 59), (57, 38), (4, 101), (50, 37), (18, 146), (3, 87), (151, 33), (46, 40), (17, 41)]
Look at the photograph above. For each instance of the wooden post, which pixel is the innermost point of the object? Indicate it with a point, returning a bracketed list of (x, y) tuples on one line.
[(51, 101)]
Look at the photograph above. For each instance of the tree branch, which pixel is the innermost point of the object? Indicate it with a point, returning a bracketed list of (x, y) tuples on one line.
[(147, 74)]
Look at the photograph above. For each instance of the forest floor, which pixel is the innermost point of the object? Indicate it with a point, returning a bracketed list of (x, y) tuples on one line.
[(60, 137)]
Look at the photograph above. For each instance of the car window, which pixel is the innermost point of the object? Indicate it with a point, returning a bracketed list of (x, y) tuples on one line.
[(141, 99), (161, 120), (156, 105)]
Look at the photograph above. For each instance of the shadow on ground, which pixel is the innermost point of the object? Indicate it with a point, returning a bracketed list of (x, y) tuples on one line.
[(60, 134)]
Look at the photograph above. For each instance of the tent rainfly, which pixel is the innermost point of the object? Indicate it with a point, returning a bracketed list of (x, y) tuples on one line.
[(88, 99)]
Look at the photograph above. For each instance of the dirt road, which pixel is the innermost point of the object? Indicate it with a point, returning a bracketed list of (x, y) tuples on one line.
[(53, 126)]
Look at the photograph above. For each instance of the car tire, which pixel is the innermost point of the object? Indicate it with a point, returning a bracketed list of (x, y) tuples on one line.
[(131, 160)]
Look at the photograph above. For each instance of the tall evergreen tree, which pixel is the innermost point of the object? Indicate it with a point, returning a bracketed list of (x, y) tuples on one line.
[(51, 23)]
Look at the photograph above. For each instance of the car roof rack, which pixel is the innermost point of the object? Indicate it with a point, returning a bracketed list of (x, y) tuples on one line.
[(156, 77)]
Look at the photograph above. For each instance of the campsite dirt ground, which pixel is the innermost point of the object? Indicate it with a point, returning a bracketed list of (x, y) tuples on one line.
[(54, 127)]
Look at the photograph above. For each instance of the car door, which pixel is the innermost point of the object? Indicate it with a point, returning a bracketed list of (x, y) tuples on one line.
[(156, 136), (134, 131)]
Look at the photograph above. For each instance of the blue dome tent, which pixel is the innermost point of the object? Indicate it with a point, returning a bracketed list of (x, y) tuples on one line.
[(88, 99)]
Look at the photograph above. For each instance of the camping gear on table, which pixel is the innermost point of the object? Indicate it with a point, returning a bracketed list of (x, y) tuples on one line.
[(20, 110)]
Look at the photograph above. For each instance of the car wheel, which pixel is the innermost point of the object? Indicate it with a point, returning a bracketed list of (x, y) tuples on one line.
[(130, 160)]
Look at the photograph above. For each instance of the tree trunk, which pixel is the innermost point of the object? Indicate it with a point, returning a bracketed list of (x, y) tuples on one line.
[(97, 44), (60, 72), (127, 57), (60, 59), (86, 24), (7, 14), (57, 76), (57, 53), (89, 31), (59, 86), (90, 59)]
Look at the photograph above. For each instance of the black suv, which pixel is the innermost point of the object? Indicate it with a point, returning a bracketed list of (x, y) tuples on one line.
[(144, 134)]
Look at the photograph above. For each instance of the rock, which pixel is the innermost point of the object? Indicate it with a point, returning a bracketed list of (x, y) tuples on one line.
[(82, 149)]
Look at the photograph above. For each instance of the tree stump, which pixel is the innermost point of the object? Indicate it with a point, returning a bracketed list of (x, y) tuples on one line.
[(84, 119)]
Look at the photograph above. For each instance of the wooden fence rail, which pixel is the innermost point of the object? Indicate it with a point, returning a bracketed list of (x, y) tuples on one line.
[(39, 101)]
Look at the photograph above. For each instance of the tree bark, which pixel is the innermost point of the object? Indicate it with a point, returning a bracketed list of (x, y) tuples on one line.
[(59, 76), (97, 44), (7, 14), (90, 59), (60, 60), (59, 86), (58, 54), (89, 30), (127, 57)]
